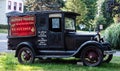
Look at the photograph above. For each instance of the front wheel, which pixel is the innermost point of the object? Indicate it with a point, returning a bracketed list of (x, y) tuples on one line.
[(25, 55), (108, 58), (91, 56)]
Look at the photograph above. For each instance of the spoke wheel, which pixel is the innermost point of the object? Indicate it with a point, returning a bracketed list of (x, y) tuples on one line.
[(25, 56), (91, 56)]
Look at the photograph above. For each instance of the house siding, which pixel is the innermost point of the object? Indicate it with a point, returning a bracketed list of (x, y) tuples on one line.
[(2, 12), (4, 9)]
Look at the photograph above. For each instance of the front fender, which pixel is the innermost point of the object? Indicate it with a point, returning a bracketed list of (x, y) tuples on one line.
[(88, 43), (106, 46), (22, 44)]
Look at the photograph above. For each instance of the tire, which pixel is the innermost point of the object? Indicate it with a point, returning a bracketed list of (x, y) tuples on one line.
[(91, 56), (108, 58), (25, 56)]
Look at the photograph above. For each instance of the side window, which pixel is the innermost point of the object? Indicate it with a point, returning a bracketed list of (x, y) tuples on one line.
[(55, 24)]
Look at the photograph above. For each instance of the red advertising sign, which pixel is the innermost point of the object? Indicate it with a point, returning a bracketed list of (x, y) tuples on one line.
[(22, 26)]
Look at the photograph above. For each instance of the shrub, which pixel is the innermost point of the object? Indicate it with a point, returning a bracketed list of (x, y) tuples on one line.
[(3, 26), (112, 35)]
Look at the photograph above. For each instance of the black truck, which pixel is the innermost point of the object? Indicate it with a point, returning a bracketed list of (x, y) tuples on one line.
[(52, 34)]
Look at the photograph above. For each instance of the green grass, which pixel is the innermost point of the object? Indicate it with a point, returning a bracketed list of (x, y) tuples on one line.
[(9, 63), (3, 31)]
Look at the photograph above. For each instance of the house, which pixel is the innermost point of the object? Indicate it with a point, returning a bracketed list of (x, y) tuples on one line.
[(8, 6)]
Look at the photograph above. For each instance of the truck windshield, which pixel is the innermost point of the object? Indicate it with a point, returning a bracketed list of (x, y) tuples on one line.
[(69, 23)]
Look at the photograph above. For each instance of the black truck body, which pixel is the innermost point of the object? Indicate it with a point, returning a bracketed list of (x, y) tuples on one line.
[(52, 34)]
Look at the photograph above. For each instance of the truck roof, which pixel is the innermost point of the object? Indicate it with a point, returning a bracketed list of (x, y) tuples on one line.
[(15, 13)]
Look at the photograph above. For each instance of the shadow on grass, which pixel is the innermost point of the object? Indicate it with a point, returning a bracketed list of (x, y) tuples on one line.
[(58, 61), (54, 64)]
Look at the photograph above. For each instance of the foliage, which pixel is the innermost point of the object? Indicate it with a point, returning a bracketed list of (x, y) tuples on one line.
[(36, 5), (86, 9), (101, 21), (91, 6), (3, 26), (3, 31), (76, 6), (116, 7), (107, 15), (112, 35), (113, 7), (9, 63), (110, 9)]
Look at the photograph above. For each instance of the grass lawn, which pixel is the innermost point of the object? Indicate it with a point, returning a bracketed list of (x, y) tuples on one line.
[(9, 63), (3, 31)]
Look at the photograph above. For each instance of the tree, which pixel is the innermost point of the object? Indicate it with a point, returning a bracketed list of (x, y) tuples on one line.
[(116, 11), (86, 8), (36, 5), (101, 21), (111, 10), (92, 9), (76, 6)]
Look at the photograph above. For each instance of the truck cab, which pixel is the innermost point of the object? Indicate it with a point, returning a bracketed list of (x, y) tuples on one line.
[(52, 34)]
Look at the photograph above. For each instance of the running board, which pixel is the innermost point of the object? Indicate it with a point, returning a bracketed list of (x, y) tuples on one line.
[(52, 56), (54, 52)]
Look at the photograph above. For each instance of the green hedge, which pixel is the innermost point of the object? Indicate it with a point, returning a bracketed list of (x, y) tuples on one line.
[(112, 35), (3, 26)]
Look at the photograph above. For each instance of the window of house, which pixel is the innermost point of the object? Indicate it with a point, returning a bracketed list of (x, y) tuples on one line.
[(55, 24), (9, 5), (15, 5), (20, 6)]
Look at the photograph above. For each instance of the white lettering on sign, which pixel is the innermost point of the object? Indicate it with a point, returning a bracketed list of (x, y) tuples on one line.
[(42, 34), (22, 26), (42, 41)]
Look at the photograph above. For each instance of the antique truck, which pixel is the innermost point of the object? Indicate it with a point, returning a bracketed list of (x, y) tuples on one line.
[(52, 34)]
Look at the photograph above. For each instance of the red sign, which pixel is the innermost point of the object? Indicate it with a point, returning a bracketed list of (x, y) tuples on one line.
[(22, 26)]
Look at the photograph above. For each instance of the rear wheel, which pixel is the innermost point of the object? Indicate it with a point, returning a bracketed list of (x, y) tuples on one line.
[(25, 55), (91, 56)]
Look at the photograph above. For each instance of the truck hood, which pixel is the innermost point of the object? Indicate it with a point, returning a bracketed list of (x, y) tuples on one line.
[(86, 33), (81, 37)]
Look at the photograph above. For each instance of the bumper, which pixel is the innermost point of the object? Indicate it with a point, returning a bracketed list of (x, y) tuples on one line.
[(109, 52)]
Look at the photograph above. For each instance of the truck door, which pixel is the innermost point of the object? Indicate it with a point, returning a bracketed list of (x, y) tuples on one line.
[(55, 37), (42, 31)]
